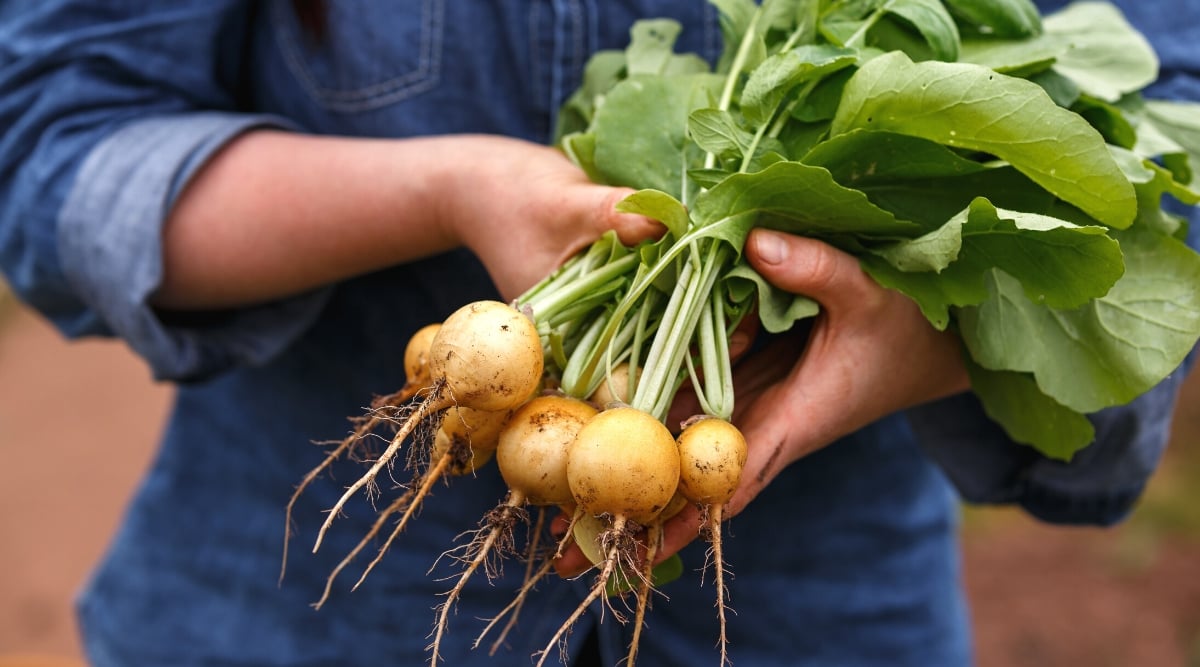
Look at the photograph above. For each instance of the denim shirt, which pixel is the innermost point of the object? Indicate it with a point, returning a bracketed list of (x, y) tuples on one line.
[(108, 108)]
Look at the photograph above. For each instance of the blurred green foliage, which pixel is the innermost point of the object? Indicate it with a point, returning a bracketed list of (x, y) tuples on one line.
[(1171, 505)]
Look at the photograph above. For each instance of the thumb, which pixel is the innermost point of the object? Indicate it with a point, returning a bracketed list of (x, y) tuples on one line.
[(631, 228), (810, 267)]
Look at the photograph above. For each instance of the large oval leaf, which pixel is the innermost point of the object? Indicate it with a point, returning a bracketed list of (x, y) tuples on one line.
[(1107, 57), (921, 180), (1000, 18), (930, 18), (772, 80), (1014, 401), (798, 198), (641, 130), (972, 107), (1108, 352), (1059, 264)]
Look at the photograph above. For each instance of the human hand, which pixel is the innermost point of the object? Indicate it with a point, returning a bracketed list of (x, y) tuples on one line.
[(275, 214), (524, 208), (870, 352)]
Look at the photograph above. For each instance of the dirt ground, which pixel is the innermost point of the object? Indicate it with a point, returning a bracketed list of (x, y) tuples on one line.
[(77, 424)]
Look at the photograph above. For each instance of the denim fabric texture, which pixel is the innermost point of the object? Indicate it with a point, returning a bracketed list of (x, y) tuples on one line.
[(849, 559)]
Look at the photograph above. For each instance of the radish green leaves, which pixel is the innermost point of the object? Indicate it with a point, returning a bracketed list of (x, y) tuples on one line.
[(998, 167)]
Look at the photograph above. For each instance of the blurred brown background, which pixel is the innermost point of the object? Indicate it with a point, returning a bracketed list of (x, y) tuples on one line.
[(77, 427)]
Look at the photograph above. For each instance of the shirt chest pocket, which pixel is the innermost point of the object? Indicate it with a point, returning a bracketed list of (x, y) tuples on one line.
[(358, 55)]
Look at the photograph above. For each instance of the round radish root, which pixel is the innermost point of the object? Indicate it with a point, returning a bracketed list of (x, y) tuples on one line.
[(623, 462), (485, 356), (462, 457), (712, 454), (477, 429), (532, 456), (615, 389), (532, 450), (416, 356), (489, 355)]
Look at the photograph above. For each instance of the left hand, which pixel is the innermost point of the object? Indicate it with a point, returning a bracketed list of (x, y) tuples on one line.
[(523, 209), (870, 353)]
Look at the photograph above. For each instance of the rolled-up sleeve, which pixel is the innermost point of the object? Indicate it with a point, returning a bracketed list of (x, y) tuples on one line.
[(1100, 485), (109, 109), (109, 241)]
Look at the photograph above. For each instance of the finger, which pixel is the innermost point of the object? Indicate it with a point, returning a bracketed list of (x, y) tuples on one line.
[(559, 525), (743, 335), (685, 406), (590, 210), (678, 532), (810, 267), (572, 563), (631, 228), (765, 368), (771, 446)]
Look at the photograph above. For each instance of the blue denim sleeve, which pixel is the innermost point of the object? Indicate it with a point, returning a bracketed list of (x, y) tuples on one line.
[(108, 109), (1099, 486), (109, 240)]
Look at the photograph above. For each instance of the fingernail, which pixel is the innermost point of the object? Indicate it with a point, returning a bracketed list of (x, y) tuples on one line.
[(769, 247)]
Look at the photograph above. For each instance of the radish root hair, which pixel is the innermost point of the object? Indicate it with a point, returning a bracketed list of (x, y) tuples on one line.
[(491, 543), (388, 407), (619, 545), (433, 404)]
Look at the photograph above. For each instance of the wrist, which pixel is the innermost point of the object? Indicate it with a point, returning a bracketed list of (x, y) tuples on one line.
[(466, 175)]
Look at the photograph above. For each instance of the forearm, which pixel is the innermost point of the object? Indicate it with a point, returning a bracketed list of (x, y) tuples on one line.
[(275, 213)]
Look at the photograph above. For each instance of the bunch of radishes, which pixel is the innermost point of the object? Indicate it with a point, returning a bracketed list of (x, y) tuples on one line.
[(616, 470), (818, 120)]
